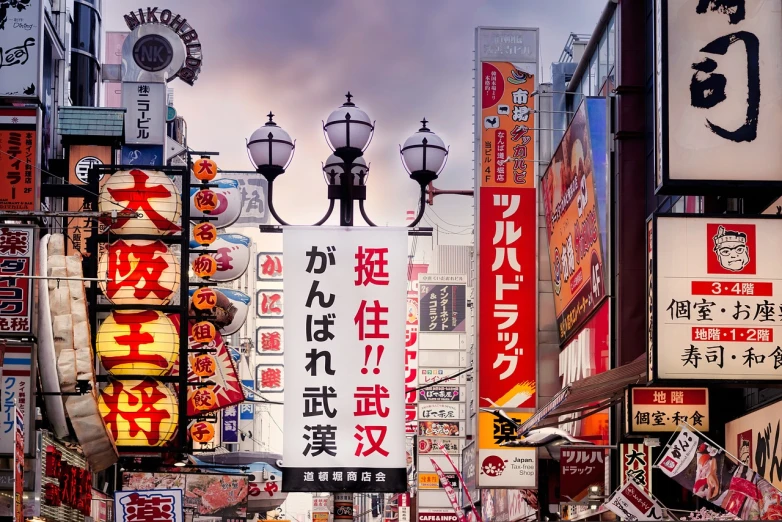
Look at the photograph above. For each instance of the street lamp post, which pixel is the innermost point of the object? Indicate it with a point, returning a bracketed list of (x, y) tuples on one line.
[(348, 132)]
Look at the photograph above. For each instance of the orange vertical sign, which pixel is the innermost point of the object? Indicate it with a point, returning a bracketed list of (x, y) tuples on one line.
[(80, 159), (507, 157)]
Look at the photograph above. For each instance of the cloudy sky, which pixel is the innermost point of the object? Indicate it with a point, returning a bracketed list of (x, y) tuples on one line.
[(402, 59)]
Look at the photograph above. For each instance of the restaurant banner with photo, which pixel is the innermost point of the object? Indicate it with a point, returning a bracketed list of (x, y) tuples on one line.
[(211, 497), (161, 504), (574, 192), (716, 298), (709, 472), (345, 331)]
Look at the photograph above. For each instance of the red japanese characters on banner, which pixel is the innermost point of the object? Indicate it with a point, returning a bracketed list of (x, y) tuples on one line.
[(205, 233), (269, 266), (151, 194), (16, 296), (205, 200), (138, 272), (74, 486), (269, 303), (204, 298), (508, 296), (139, 413), (270, 340), (270, 378), (137, 343)]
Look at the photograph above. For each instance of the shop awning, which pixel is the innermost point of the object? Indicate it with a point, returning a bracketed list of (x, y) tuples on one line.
[(588, 396)]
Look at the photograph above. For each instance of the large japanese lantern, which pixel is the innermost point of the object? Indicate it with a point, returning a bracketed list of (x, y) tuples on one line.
[(149, 193), (137, 343), (139, 413), (138, 272)]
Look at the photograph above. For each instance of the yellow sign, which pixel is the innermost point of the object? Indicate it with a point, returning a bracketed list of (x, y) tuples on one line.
[(428, 481), (141, 342), (320, 516), (492, 431), (139, 413)]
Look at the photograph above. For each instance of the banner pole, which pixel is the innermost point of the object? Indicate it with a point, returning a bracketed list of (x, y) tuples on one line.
[(461, 479)]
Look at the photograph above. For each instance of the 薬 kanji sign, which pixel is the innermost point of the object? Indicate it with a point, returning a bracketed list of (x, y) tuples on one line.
[(161, 505), (345, 335), (16, 295)]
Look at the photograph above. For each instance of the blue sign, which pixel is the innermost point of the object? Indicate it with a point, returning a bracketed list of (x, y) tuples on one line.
[(231, 425), (143, 155), (246, 412)]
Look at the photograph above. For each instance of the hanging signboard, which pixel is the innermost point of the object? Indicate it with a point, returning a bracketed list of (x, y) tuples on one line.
[(16, 294), (269, 266), (442, 394), (253, 190), (428, 445), (440, 376), (443, 303), (81, 158), (17, 392), (579, 469), (269, 303), (161, 504), (441, 411), (345, 299), (654, 409), (21, 35), (574, 191), (230, 425), (631, 502), (713, 124), (716, 282), (270, 340), (20, 180), (636, 464)]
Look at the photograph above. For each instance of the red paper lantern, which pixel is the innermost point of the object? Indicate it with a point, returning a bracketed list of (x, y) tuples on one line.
[(204, 298), (204, 332), (205, 266), (205, 169), (205, 233), (205, 200)]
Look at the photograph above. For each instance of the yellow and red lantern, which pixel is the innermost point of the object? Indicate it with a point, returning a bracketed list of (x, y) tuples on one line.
[(139, 413), (205, 169), (149, 193), (202, 432), (205, 200), (204, 298), (139, 272), (204, 233), (205, 266), (204, 399), (204, 332), (203, 365), (143, 342)]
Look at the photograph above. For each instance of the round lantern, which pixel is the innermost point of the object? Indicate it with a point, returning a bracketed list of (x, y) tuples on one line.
[(138, 272), (204, 266), (203, 365), (139, 413), (204, 332), (204, 399), (205, 233), (137, 343), (205, 169), (205, 200), (149, 193), (204, 298), (202, 432)]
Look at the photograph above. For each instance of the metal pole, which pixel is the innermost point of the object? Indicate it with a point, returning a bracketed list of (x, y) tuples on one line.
[(184, 301)]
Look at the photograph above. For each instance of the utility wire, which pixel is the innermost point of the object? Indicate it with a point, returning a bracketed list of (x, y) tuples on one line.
[(444, 379), (448, 223)]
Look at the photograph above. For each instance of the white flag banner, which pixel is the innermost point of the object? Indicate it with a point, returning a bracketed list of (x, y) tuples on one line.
[(633, 502), (345, 305)]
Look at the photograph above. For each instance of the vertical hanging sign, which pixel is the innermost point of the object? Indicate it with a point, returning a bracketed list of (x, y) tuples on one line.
[(344, 324), (506, 219)]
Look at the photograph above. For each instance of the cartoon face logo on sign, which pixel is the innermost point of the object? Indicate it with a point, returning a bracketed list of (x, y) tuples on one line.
[(493, 466), (733, 248)]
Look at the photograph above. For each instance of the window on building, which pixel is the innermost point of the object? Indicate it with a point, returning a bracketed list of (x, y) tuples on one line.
[(602, 67)]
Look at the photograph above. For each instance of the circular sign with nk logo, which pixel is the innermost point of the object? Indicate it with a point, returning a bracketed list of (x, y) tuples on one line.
[(153, 53)]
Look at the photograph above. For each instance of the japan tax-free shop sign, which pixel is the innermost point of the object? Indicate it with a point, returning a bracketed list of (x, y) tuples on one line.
[(346, 296), (718, 298)]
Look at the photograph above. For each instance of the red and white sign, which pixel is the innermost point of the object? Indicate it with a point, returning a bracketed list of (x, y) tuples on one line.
[(159, 504), (507, 286), (636, 464), (652, 409), (631, 502), (17, 386), (719, 287), (579, 469), (344, 393), (434, 515), (450, 492), (18, 464), (269, 266), (16, 295)]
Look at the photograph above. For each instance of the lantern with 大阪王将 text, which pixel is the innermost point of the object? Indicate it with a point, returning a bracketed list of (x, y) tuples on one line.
[(137, 342), (140, 412)]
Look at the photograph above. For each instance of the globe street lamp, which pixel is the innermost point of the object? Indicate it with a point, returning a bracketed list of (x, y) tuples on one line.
[(348, 132)]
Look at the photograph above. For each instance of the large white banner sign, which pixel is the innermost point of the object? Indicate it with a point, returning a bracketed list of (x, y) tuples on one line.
[(345, 292), (718, 296)]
